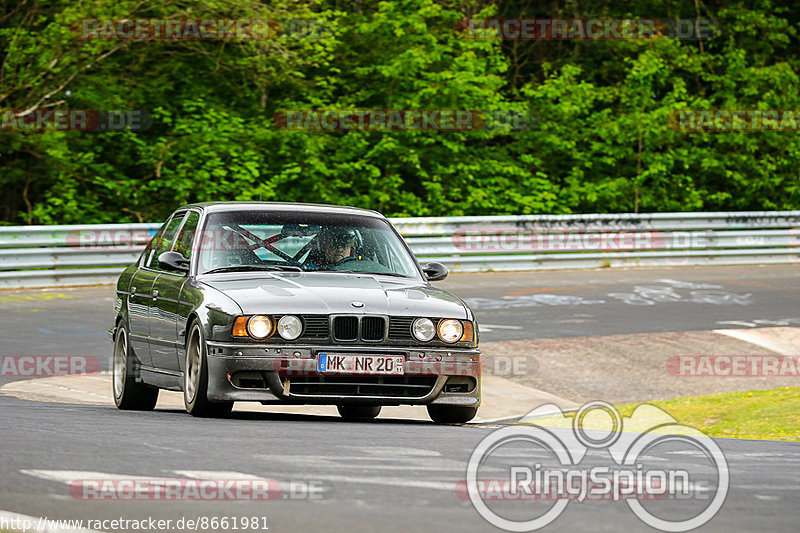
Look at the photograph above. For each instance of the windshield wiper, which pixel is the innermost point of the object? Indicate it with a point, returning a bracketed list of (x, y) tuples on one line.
[(240, 268), (288, 268), (369, 273)]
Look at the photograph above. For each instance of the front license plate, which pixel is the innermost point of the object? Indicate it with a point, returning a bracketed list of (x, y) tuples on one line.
[(360, 364)]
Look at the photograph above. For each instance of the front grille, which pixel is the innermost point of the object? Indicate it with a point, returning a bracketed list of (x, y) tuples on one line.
[(315, 327), (345, 328), (373, 328), (384, 386), (400, 327)]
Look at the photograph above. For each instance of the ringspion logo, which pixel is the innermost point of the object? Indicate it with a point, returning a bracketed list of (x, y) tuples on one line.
[(552, 461)]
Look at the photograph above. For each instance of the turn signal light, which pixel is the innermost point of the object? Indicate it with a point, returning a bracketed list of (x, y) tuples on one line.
[(469, 332), (240, 327)]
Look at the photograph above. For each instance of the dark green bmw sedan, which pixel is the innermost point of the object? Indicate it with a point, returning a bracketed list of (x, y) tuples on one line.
[(291, 303)]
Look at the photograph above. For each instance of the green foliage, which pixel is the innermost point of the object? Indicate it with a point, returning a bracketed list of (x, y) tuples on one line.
[(601, 144), (759, 414)]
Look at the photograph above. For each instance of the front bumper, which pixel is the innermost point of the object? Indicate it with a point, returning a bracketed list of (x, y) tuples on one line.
[(288, 374)]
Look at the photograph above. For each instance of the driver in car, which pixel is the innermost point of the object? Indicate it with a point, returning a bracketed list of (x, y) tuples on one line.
[(334, 244)]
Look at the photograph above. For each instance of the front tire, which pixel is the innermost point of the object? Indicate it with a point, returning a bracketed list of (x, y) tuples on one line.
[(129, 395), (358, 412), (451, 414), (195, 379)]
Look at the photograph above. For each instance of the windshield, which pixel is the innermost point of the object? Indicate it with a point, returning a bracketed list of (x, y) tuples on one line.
[(262, 240)]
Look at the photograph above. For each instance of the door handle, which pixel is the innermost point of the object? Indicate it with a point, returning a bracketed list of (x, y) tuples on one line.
[(133, 290), (155, 294)]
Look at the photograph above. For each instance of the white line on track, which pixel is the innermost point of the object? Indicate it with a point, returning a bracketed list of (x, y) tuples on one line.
[(358, 462), (68, 476), (389, 482), (486, 328), (214, 474), (754, 337)]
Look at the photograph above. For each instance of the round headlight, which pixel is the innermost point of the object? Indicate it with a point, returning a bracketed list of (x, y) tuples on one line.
[(423, 329), (450, 330), (259, 326), (289, 327)]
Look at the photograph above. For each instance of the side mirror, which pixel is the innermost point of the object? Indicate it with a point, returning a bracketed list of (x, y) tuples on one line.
[(435, 271), (173, 261)]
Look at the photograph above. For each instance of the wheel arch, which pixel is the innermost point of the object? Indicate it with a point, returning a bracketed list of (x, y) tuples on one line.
[(190, 321)]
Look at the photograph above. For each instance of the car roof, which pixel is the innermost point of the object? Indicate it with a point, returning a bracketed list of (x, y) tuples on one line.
[(217, 207)]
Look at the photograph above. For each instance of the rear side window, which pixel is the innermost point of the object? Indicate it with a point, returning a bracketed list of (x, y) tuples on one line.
[(164, 242)]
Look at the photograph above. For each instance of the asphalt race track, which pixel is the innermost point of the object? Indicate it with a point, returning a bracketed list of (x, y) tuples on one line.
[(385, 475), (608, 302)]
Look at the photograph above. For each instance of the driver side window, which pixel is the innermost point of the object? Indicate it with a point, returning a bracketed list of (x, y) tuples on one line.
[(164, 243), (186, 236)]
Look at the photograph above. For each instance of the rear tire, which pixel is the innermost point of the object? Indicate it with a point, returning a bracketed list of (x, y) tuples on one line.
[(195, 379), (451, 414), (358, 412), (129, 395)]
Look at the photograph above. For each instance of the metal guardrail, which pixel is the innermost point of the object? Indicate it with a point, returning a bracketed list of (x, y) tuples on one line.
[(45, 256)]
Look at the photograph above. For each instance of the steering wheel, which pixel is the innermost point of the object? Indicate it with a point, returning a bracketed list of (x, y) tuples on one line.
[(345, 260)]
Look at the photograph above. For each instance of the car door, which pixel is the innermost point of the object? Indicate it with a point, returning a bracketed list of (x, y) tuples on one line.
[(139, 303), (188, 240), (140, 300), (158, 336), (165, 319)]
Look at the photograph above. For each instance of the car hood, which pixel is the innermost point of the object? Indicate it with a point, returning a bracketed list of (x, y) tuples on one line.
[(333, 293)]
